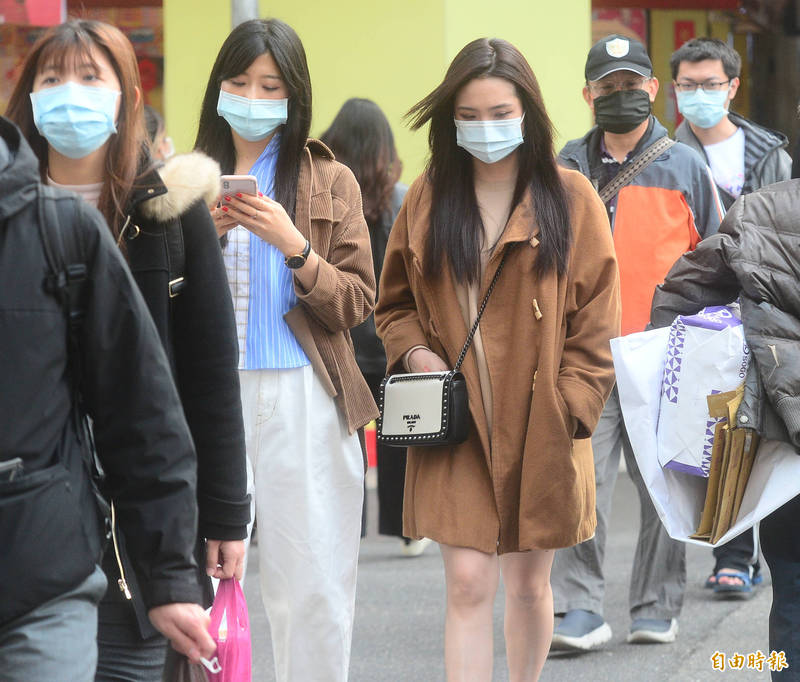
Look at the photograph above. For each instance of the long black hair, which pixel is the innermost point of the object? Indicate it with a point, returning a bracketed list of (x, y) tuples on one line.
[(456, 229), (361, 138), (246, 42)]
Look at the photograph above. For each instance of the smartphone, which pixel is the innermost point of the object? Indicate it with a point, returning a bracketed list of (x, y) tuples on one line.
[(238, 184)]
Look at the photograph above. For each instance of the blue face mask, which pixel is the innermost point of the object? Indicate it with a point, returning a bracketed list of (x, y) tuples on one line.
[(489, 141), (703, 109), (252, 119), (75, 119)]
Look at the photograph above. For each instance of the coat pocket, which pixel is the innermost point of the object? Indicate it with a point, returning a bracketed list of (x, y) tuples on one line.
[(567, 419), (44, 539)]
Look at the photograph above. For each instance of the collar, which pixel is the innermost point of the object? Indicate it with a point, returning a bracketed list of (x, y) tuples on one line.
[(147, 185), (517, 229)]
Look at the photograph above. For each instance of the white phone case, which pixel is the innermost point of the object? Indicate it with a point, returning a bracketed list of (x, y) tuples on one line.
[(238, 184)]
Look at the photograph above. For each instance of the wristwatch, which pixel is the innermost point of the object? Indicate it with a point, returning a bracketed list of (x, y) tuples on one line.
[(299, 260)]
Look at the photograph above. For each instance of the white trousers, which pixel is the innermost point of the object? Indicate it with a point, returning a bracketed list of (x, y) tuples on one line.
[(308, 479)]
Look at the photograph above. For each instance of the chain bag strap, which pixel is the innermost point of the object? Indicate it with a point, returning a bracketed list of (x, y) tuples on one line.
[(471, 335), (430, 408)]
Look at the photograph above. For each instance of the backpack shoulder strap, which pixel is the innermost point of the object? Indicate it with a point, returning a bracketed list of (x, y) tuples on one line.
[(629, 172), (68, 276), (64, 251)]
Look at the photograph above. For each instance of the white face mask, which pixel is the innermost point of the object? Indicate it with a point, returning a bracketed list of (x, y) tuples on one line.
[(489, 141)]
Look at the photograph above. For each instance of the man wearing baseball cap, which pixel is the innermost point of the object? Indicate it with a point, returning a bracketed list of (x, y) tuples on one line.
[(661, 201)]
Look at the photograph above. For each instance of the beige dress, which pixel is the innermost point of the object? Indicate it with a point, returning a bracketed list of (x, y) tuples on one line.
[(494, 202)]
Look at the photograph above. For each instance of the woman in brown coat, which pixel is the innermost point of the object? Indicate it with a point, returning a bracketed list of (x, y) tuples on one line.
[(539, 369)]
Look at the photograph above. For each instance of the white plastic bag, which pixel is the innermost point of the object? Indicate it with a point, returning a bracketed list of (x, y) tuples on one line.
[(706, 353), (639, 361)]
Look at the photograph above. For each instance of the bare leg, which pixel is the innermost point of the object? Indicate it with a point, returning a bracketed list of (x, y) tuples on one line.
[(529, 612), (472, 578)]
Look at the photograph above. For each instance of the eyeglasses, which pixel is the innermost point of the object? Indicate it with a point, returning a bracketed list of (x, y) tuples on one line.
[(708, 86), (606, 87)]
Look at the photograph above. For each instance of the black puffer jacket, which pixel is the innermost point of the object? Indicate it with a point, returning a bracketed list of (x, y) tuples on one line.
[(755, 256), (142, 437)]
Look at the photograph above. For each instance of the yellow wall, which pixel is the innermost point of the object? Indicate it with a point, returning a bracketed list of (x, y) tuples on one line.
[(554, 37), (394, 53), (388, 52), (193, 33)]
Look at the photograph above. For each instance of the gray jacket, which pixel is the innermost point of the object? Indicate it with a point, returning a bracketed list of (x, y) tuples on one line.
[(754, 256), (765, 158)]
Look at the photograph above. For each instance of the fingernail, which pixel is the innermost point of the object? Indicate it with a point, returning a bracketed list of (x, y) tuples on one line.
[(227, 198), (225, 208), (239, 194), (259, 194), (210, 572)]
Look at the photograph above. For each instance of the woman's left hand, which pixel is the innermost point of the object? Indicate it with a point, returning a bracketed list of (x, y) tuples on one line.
[(267, 219)]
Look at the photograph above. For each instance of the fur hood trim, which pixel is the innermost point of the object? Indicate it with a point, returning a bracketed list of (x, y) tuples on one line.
[(188, 178)]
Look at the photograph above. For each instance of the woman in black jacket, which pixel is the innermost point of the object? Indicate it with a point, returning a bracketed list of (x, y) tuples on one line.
[(361, 139), (79, 103)]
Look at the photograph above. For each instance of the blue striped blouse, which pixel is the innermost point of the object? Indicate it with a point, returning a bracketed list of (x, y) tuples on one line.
[(271, 344)]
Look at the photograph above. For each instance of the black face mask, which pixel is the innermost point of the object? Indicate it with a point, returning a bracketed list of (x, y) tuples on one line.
[(622, 110)]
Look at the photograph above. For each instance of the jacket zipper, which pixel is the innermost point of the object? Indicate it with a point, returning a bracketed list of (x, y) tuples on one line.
[(123, 584)]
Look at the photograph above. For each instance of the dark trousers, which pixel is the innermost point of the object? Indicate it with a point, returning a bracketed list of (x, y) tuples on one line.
[(391, 478), (738, 554), (122, 654), (780, 544)]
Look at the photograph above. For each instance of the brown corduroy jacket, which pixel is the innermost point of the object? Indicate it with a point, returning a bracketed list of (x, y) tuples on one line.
[(546, 340), (328, 213)]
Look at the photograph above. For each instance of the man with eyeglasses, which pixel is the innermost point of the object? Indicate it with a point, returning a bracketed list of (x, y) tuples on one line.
[(661, 211), (743, 156)]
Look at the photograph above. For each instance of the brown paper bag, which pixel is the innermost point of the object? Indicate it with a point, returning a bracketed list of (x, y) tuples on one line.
[(705, 526), (750, 446)]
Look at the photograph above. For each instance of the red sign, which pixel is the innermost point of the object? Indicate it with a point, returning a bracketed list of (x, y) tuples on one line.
[(684, 30), (32, 12)]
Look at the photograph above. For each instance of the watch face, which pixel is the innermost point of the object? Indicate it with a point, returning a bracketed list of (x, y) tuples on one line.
[(294, 262)]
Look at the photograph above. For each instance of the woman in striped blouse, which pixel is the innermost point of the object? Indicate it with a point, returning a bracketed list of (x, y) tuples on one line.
[(300, 269)]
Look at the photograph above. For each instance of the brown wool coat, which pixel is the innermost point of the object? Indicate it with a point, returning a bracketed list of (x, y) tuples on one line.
[(328, 213), (534, 488)]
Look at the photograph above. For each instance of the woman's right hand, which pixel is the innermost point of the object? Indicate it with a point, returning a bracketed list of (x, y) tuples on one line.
[(223, 222), (424, 360)]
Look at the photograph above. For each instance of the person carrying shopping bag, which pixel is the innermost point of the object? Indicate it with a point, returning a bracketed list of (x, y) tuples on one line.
[(79, 103)]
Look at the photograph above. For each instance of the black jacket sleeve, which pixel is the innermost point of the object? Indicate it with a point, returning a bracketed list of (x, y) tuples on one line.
[(143, 441), (698, 279), (206, 356)]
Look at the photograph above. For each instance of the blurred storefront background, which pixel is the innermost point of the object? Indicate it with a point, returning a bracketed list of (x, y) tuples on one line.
[(395, 53)]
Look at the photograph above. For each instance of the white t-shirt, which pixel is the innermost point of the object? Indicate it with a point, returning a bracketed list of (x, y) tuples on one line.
[(89, 193), (726, 159)]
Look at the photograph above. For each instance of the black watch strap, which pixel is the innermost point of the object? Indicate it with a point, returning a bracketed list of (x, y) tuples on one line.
[(299, 260)]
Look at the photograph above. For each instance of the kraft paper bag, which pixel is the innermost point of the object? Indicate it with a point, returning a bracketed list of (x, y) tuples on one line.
[(679, 498)]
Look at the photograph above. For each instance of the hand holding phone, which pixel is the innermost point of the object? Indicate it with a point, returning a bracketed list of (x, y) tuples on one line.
[(230, 185)]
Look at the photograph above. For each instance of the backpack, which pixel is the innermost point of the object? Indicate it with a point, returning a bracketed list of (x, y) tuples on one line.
[(68, 282), (53, 518)]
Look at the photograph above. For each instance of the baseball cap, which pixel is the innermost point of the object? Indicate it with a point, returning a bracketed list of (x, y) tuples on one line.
[(617, 53)]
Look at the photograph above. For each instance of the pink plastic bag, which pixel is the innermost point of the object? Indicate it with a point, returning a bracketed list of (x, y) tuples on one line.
[(233, 635)]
